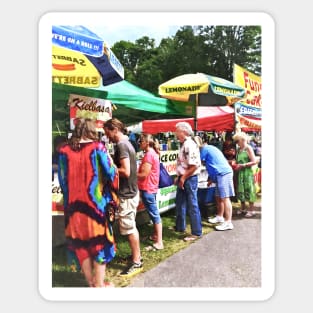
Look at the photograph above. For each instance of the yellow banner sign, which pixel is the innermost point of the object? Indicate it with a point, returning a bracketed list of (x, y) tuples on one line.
[(253, 99), (248, 123), (251, 82)]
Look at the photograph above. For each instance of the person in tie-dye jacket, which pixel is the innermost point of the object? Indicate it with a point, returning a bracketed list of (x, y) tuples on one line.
[(89, 179)]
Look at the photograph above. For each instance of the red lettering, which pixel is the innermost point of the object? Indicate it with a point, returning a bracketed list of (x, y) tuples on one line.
[(246, 78), (254, 85), (255, 100), (170, 167)]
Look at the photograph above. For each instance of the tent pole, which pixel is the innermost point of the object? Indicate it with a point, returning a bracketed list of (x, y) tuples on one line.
[(235, 117), (236, 122), (196, 115)]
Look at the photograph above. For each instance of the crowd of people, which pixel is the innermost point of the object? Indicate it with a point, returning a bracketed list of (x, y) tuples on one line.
[(98, 186)]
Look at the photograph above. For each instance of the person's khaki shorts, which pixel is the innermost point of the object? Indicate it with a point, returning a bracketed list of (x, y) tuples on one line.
[(127, 215)]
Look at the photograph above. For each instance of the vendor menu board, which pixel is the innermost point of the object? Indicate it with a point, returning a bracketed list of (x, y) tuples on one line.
[(169, 160), (99, 110)]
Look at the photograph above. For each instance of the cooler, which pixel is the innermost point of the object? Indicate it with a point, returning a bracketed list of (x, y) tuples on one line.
[(206, 195)]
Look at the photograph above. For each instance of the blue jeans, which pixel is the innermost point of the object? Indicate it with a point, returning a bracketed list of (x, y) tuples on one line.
[(149, 200), (187, 201)]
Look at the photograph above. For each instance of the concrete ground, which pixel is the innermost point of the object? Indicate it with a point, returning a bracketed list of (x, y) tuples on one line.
[(219, 259)]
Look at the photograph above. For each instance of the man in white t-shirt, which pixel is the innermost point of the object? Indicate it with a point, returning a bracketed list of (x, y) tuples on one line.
[(188, 169)]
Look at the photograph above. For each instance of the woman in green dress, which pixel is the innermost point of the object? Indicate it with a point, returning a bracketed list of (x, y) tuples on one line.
[(245, 159)]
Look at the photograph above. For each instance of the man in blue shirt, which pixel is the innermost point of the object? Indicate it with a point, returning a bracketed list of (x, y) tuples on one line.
[(220, 173)]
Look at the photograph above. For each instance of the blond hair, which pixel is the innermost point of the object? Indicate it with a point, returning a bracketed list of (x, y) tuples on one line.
[(153, 143), (241, 135)]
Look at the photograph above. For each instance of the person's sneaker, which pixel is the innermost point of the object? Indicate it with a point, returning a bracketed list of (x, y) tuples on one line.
[(250, 214), (133, 269), (130, 259), (225, 226), (216, 219)]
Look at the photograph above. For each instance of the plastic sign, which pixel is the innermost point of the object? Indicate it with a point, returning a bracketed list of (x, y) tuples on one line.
[(77, 38), (73, 68), (248, 111), (115, 63), (86, 107)]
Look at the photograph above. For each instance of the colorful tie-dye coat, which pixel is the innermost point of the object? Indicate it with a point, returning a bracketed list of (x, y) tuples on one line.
[(89, 179)]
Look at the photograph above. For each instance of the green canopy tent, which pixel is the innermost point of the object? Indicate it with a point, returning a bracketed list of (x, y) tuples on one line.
[(132, 103)]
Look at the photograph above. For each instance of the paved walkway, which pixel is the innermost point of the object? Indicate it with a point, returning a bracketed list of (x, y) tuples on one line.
[(218, 259)]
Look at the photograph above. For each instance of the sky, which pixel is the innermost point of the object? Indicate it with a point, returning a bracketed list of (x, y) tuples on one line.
[(113, 33)]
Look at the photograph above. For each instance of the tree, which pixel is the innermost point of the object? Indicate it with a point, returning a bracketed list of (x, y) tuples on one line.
[(140, 62), (233, 44), (184, 53), (208, 49), (128, 54)]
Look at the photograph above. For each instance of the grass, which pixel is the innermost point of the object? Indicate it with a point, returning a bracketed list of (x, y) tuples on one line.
[(65, 275)]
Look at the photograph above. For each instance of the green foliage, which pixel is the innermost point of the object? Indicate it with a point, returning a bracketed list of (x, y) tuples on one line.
[(209, 49)]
